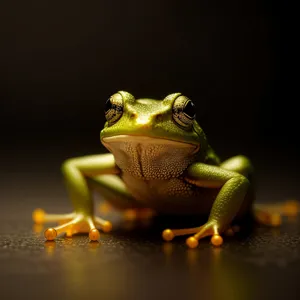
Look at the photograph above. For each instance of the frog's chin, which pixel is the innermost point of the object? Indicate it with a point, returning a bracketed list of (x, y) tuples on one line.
[(148, 140), (150, 157)]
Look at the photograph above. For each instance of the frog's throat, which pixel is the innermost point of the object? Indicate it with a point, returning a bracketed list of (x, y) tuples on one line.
[(149, 140), (150, 158)]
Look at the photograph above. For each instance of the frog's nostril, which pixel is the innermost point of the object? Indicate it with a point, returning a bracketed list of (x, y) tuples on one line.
[(158, 117), (133, 115)]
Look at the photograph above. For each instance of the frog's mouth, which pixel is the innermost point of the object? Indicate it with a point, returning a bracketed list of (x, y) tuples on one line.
[(147, 141)]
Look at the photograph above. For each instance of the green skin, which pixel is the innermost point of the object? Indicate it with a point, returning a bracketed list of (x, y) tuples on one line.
[(158, 162)]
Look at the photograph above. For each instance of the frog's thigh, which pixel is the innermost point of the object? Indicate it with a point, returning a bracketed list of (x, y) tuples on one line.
[(240, 164), (113, 190)]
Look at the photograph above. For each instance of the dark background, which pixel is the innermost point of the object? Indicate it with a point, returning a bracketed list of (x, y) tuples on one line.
[(61, 60)]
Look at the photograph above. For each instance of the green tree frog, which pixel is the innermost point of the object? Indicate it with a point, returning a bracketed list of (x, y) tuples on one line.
[(159, 159)]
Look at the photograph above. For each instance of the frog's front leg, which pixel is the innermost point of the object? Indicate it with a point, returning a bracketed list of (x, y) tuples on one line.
[(76, 172), (233, 188)]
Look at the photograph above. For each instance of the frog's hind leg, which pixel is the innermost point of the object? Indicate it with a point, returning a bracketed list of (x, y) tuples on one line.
[(240, 164), (271, 214), (39, 216), (116, 196), (266, 214), (112, 188)]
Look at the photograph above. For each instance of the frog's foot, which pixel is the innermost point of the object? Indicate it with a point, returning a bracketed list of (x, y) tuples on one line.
[(129, 214), (209, 229), (232, 230), (271, 214), (105, 208), (71, 224), (136, 214)]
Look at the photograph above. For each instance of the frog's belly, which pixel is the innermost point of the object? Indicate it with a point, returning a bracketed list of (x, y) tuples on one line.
[(172, 196)]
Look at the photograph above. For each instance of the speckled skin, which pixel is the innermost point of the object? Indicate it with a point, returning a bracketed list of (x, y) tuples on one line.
[(154, 171), (160, 159)]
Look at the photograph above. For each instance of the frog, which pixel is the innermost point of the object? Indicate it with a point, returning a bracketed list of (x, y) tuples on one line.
[(159, 158)]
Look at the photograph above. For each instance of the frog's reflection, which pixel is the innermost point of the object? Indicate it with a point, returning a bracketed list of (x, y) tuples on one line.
[(50, 247), (93, 246), (205, 272), (229, 278)]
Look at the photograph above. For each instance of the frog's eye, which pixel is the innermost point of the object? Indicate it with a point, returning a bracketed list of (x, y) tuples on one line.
[(184, 111), (114, 108)]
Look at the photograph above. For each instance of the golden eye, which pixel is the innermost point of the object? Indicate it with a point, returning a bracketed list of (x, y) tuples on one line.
[(184, 111), (113, 108)]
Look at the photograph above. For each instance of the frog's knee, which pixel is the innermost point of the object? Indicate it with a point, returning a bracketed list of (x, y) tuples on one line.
[(240, 164), (243, 160), (68, 165), (240, 182)]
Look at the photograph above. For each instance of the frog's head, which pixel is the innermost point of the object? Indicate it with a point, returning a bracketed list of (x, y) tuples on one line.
[(151, 131)]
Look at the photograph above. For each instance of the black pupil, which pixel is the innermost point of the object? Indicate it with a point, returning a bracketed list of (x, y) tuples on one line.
[(189, 109), (108, 105)]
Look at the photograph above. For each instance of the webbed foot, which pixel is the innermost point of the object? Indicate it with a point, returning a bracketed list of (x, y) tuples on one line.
[(138, 214), (208, 229), (71, 224), (128, 214)]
